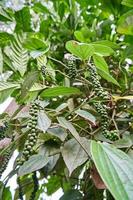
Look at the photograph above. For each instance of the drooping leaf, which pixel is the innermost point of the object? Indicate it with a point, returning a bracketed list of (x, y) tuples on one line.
[(115, 168), (81, 140), (56, 91), (100, 63), (72, 194), (34, 163), (43, 121), (81, 50), (85, 114), (107, 77), (125, 23), (73, 155)]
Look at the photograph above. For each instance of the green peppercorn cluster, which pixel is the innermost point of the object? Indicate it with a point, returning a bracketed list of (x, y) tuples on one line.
[(102, 110), (36, 185), (71, 63), (43, 70), (96, 83), (32, 136)]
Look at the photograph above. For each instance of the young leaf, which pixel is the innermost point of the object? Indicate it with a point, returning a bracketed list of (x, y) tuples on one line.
[(100, 63), (81, 50), (56, 91), (35, 162), (115, 168), (73, 155)]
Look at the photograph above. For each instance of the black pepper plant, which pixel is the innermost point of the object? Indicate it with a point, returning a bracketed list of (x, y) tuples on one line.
[(67, 67)]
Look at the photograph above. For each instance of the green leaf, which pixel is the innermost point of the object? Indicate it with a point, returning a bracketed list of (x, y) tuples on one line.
[(1, 61), (73, 155), (72, 195), (54, 183), (19, 55), (100, 63), (43, 121), (5, 38), (28, 83), (5, 15), (115, 168), (34, 163), (102, 49), (7, 194), (23, 20), (108, 77), (56, 91), (81, 50), (107, 43), (125, 23), (128, 3), (85, 114)]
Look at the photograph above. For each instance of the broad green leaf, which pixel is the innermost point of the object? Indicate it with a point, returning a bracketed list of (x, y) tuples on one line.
[(56, 91), (85, 114), (1, 61), (128, 3), (81, 140), (102, 49), (116, 98), (19, 55), (23, 20), (107, 77), (81, 50), (73, 154), (72, 195), (34, 163), (107, 43), (43, 121), (115, 168), (125, 23), (100, 63), (58, 132), (8, 85)]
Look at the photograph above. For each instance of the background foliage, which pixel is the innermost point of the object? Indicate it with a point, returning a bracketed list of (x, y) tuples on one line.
[(35, 39)]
